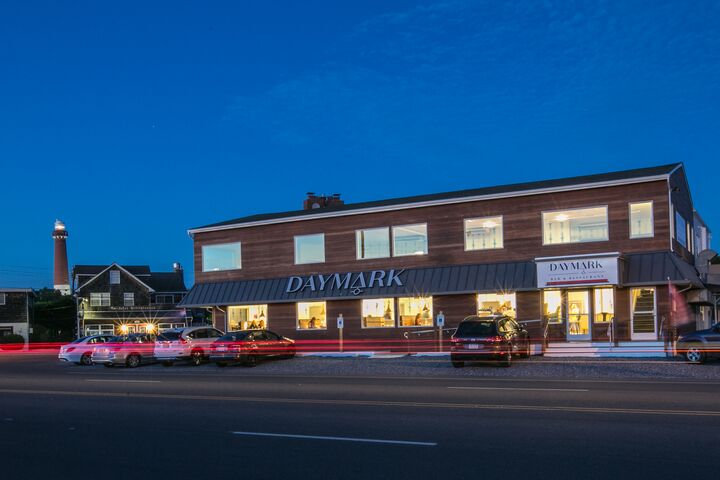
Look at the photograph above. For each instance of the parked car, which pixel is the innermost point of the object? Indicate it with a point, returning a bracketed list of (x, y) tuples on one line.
[(249, 346), (80, 351), (698, 346), (493, 337), (128, 350), (188, 343)]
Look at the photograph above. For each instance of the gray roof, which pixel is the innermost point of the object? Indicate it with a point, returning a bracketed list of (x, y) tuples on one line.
[(489, 277), (495, 190), (653, 268)]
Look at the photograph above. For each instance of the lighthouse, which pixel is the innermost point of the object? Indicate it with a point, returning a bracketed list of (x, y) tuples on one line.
[(61, 279)]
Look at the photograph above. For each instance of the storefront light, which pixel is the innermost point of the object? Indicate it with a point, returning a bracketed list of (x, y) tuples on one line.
[(124, 328), (149, 327)]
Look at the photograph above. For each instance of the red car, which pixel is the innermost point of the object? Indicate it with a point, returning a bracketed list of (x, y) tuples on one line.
[(249, 346)]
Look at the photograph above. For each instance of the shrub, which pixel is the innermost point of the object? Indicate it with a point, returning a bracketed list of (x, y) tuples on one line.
[(12, 341)]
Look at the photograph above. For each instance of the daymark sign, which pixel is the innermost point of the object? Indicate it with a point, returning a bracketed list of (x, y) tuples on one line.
[(577, 271), (355, 283)]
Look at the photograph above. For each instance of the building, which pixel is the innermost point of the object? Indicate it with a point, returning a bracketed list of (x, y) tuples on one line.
[(128, 299), (16, 311), (606, 257), (61, 279)]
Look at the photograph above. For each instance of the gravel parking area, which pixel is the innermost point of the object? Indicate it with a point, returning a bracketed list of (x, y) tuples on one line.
[(535, 367)]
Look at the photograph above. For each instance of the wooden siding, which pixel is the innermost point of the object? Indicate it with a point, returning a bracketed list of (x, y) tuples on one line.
[(268, 251)]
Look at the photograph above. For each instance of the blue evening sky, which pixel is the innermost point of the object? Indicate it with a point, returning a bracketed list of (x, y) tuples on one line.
[(133, 121)]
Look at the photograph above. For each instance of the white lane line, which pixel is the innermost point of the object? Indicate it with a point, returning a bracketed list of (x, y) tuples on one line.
[(524, 389), (339, 439), (122, 381)]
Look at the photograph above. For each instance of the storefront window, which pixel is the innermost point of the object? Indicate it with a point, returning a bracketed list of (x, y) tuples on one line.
[(496, 304), (415, 311), (311, 315), (578, 302), (604, 305), (641, 219), (552, 306), (410, 240), (483, 233), (378, 313), (247, 317), (575, 226), (224, 256), (310, 249), (373, 243)]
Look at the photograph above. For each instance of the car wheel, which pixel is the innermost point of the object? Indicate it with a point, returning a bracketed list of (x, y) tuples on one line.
[(251, 360), (458, 364), (508, 358), (291, 353), (694, 355), (132, 361), (221, 364), (86, 359), (196, 357), (167, 363)]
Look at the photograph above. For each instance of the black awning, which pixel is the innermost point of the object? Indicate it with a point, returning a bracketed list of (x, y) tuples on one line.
[(657, 268), (489, 277)]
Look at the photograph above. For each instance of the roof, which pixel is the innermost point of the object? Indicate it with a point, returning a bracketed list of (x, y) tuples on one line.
[(17, 290), (655, 268), (154, 281), (95, 269), (638, 174), (166, 282)]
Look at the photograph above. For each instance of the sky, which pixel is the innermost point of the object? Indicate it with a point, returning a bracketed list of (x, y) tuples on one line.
[(135, 121)]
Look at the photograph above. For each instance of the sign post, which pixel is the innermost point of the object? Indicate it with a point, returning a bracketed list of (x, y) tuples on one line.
[(440, 323), (340, 326)]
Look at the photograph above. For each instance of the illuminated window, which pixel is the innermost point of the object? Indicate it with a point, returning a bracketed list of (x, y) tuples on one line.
[(378, 313), (641, 219), (128, 299), (311, 315), (643, 310), (247, 317), (310, 249), (604, 305), (114, 277), (373, 243), (107, 329), (225, 256), (575, 226), (578, 309), (552, 306), (415, 311), (410, 240), (496, 304), (483, 233), (100, 299)]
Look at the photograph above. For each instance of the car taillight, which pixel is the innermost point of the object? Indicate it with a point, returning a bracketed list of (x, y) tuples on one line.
[(455, 340), (495, 339), (115, 348), (182, 341), (69, 349)]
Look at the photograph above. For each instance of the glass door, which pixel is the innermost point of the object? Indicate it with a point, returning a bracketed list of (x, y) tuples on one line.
[(644, 314), (578, 318)]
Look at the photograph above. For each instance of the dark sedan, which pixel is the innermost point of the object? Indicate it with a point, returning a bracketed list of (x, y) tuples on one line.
[(496, 338), (249, 346), (698, 346)]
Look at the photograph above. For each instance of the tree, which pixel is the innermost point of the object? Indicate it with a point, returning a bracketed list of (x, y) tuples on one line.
[(55, 316)]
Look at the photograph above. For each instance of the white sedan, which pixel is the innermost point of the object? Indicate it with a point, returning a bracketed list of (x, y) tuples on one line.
[(80, 351)]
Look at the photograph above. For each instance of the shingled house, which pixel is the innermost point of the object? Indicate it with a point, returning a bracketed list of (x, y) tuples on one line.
[(114, 299), (16, 309)]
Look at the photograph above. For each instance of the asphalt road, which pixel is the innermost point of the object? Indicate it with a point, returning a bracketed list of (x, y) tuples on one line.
[(62, 421)]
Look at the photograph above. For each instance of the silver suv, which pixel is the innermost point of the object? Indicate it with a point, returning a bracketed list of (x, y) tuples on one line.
[(190, 343)]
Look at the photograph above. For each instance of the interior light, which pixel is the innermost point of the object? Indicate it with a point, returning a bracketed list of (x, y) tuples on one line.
[(562, 217), (489, 224)]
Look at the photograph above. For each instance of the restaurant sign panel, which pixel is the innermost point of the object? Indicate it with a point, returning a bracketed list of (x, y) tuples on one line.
[(577, 271)]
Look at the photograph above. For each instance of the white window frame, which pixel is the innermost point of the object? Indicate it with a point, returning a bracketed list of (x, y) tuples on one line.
[(211, 245), (644, 336), (652, 219), (131, 297), (427, 240), (3, 298), (114, 275), (357, 243), (607, 222), (432, 313), (172, 298), (297, 316), (502, 232), (102, 296), (295, 242), (394, 314)]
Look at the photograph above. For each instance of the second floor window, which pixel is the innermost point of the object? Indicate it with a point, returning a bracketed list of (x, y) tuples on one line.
[(575, 226), (129, 299), (310, 249), (410, 240), (224, 256), (483, 233), (373, 243), (114, 277), (164, 299), (101, 299), (641, 219), (681, 230)]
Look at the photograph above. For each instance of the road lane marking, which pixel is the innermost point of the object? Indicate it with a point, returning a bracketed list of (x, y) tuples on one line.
[(372, 403), (121, 380), (523, 389), (338, 439)]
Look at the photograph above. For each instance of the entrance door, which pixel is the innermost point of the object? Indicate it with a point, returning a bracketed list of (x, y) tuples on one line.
[(644, 314), (578, 319)]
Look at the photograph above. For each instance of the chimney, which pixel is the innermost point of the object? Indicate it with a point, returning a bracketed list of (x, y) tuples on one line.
[(61, 279), (313, 201)]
